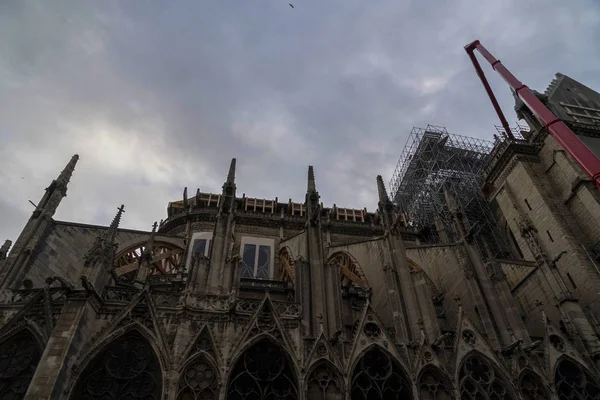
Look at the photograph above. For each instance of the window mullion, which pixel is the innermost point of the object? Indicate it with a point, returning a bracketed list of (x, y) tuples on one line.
[(256, 261)]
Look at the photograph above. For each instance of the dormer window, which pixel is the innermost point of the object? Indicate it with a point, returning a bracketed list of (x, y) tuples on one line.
[(257, 258)]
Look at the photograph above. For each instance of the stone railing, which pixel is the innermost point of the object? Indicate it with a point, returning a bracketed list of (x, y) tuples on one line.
[(264, 284)]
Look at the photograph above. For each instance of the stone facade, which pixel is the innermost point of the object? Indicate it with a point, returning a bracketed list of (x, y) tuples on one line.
[(241, 298)]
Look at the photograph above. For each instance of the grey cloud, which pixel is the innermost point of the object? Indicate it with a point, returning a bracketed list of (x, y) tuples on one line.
[(158, 95)]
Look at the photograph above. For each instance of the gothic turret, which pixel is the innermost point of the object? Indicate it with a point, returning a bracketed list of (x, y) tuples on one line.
[(223, 264), (98, 264), (16, 264)]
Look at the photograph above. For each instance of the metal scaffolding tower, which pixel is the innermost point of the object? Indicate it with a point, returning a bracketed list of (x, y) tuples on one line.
[(432, 159)]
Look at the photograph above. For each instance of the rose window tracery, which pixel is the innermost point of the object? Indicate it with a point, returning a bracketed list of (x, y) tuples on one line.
[(19, 357), (432, 386), (532, 387), (573, 383), (377, 376), (199, 381), (263, 372), (126, 369), (479, 380), (324, 384)]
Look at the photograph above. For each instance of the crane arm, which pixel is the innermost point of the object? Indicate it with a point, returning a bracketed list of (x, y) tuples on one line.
[(565, 137)]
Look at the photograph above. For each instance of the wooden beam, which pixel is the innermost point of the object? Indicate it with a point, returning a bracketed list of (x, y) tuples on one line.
[(352, 276), (133, 266)]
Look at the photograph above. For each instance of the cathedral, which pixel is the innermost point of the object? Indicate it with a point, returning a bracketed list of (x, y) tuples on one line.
[(234, 297)]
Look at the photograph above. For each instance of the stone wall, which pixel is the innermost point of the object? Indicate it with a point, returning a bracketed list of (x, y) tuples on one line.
[(63, 251)]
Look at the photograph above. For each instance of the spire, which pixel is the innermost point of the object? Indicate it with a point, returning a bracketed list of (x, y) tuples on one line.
[(185, 198), (312, 187), (383, 196), (112, 229), (65, 175), (4, 249), (231, 174), (103, 248)]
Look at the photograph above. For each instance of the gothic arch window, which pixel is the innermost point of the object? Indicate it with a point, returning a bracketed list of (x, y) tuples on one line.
[(19, 357), (377, 376), (199, 381), (433, 385), (532, 387), (479, 379), (350, 272), (263, 372), (573, 383), (286, 266), (126, 369), (324, 383)]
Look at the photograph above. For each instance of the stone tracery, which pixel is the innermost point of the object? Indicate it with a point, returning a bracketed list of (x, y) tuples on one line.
[(433, 386), (263, 372), (19, 356), (324, 383), (479, 379), (377, 376), (199, 381), (532, 387), (573, 383), (128, 367)]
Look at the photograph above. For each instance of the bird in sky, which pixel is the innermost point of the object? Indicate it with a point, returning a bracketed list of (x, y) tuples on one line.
[(291, 5)]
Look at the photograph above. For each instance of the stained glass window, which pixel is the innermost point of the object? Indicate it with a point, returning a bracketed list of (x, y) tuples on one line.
[(263, 372), (19, 357), (480, 380), (377, 376), (126, 369), (573, 383)]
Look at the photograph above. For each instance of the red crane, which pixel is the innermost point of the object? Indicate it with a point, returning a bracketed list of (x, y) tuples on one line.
[(565, 137)]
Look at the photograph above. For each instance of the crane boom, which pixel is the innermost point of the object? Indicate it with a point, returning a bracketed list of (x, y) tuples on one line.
[(565, 137)]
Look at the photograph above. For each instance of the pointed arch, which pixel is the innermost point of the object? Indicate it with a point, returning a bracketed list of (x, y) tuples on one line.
[(287, 271), (350, 270), (377, 375), (532, 386), (19, 356), (480, 378), (126, 366), (573, 381), (263, 371), (434, 384), (324, 381), (199, 379)]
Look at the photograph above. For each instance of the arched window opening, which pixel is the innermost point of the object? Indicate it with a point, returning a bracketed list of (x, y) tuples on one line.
[(263, 372), (199, 381), (573, 383), (433, 386), (286, 266), (164, 259), (19, 357), (479, 380), (532, 387), (350, 271), (126, 369), (377, 376), (324, 384)]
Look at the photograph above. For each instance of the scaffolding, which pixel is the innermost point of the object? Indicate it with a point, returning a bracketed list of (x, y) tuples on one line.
[(431, 160)]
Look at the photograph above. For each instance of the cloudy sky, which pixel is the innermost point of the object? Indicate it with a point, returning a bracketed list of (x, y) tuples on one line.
[(158, 95)]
